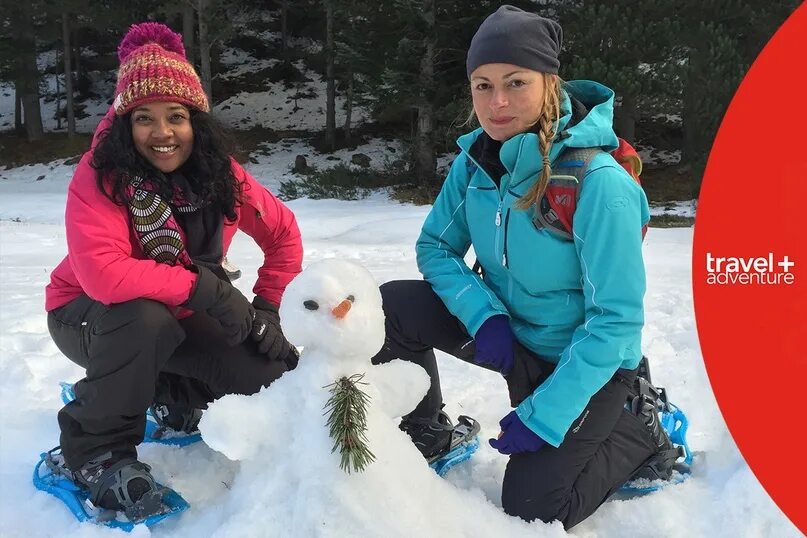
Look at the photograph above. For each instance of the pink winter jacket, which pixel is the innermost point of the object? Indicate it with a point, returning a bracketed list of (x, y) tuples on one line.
[(105, 260)]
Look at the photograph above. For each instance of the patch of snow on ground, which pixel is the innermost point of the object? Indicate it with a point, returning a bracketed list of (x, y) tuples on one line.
[(722, 498), (652, 156), (684, 208), (300, 107)]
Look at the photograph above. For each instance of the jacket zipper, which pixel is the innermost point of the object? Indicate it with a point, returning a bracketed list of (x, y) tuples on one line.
[(498, 222), (506, 224), (498, 219)]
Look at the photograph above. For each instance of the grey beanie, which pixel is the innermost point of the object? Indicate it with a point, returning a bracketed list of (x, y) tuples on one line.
[(514, 36)]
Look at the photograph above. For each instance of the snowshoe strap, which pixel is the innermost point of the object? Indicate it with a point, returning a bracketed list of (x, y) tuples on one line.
[(55, 462), (643, 370), (660, 465), (440, 422), (116, 479), (466, 427), (150, 504), (647, 393)]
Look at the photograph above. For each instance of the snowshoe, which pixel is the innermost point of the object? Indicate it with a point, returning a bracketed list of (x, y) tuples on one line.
[(162, 426), (441, 443), (672, 463), (158, 503), (464, 442), (174, 422)]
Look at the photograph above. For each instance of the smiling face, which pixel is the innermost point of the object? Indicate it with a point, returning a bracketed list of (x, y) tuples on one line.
[(507, 99), (163, 134)]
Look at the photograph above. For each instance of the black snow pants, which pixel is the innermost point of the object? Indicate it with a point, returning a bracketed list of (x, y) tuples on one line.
[(137, 353), (601, 451)]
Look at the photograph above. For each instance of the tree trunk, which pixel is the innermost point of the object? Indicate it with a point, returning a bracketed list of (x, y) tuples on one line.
[(284, 29), (33, 116), (76, 45), (204, 49), (188, 32), (330, 92), (18, 125), (425, 161), (625, 118), (58, 101), (349, 105), (28, 78), (692, 150), (68, 77)]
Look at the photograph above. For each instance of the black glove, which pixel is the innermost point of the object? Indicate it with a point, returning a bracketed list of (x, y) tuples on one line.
[(266, 331), (224, 303)]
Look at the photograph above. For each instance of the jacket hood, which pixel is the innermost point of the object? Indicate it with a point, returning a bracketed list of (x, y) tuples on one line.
[(595, 129)]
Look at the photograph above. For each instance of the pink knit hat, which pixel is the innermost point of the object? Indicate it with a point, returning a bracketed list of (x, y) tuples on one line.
[(153, 67)]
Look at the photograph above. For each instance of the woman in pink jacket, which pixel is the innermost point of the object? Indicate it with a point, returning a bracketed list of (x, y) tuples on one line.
[(141, 301)]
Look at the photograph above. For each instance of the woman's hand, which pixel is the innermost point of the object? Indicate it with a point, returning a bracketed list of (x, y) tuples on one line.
[(515, 437), (223, 302), (266, 331), (494, 344)]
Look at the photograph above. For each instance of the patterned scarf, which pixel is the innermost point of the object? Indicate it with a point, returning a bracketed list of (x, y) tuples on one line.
[(154, 223)]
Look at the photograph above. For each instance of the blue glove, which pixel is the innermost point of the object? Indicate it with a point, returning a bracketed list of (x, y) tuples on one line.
[(494, 344), (516, 437)]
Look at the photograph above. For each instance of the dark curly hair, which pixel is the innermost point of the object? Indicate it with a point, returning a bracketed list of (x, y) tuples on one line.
[(208, 167)]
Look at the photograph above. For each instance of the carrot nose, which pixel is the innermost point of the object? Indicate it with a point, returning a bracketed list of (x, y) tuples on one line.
[(341, 310)]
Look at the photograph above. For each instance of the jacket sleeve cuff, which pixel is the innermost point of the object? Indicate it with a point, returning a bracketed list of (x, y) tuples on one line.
[(531, 420), (262, 304), (481, 317)]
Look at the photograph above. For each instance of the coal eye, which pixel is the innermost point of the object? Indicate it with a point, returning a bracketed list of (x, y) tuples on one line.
[(351, 298), (311, 305)]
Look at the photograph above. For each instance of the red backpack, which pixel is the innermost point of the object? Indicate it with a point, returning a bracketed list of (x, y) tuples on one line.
[(556, 209)]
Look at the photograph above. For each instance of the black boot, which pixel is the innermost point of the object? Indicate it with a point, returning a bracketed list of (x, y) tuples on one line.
[(117, 481), (176, 418), (432, 436)]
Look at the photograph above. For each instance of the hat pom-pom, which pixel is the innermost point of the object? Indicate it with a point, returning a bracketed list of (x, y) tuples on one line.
[(150, 32)]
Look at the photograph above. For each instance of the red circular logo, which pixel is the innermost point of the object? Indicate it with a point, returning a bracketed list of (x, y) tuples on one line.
[(750, 267)]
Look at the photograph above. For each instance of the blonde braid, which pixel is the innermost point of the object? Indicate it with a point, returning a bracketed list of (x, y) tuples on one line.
[(550, 113)]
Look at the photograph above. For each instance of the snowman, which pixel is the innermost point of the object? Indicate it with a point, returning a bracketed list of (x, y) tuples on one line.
[(333, 310)]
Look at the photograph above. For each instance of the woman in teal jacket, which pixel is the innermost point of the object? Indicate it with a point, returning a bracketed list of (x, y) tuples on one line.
[(560, 319)]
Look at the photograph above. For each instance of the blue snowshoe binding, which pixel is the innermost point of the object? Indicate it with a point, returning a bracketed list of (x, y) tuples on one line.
[(158, 503), (443, 444), (668, 424), (464, 442), (163, 424)]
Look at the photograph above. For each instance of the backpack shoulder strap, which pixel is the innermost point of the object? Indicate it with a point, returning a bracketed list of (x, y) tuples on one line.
[(556, 209)]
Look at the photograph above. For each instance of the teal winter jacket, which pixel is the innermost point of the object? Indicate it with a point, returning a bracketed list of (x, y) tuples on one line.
[(577, 303)]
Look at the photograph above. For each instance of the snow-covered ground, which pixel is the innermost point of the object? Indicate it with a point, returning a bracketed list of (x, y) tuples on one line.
[(722, 498)]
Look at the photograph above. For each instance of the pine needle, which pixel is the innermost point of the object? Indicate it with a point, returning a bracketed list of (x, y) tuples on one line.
[(347, 422)]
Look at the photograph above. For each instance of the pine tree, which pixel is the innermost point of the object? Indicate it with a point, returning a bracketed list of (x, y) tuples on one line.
[(20, 23), (723, 37), (408, 59), (623, 44)]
